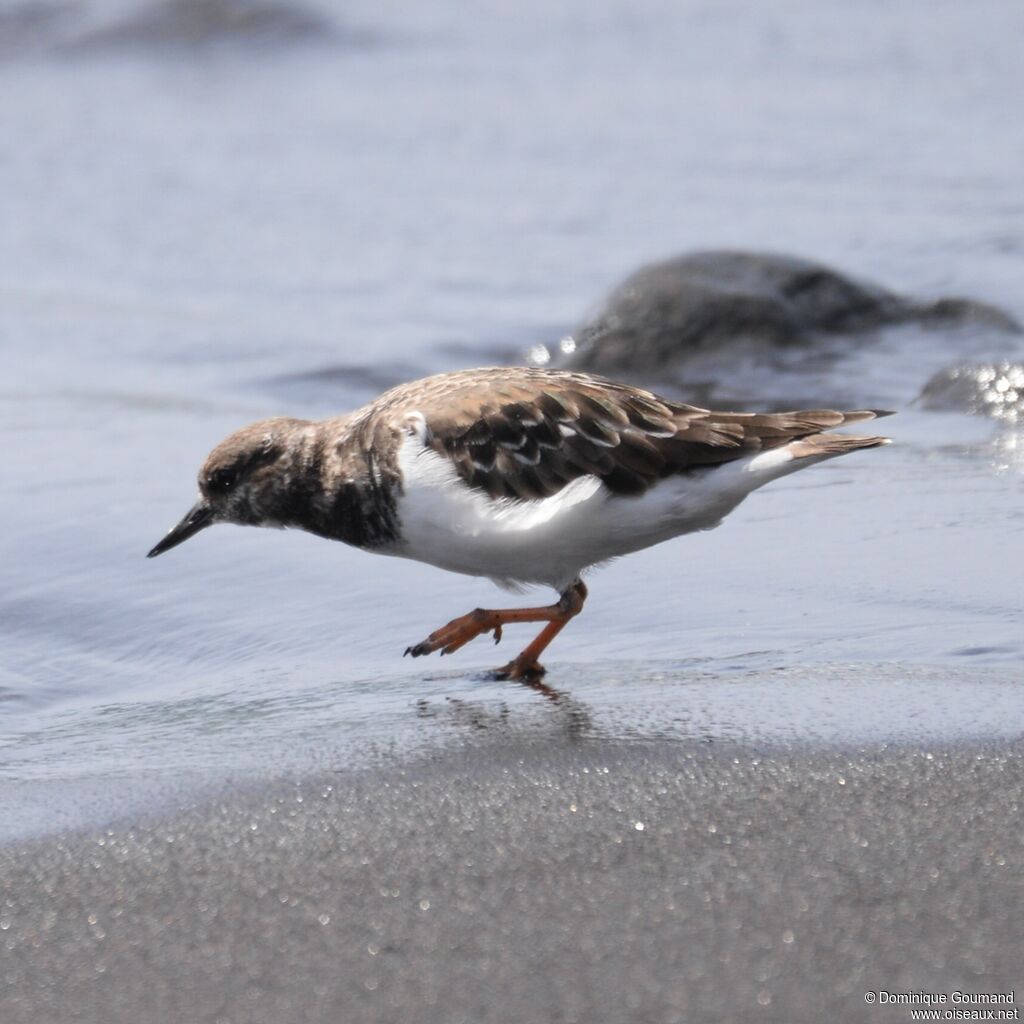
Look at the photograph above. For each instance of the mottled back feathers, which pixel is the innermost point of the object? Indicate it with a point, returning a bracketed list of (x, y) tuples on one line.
[(522, 433)]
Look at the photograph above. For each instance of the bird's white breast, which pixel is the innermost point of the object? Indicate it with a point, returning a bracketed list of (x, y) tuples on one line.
[(446, 523)]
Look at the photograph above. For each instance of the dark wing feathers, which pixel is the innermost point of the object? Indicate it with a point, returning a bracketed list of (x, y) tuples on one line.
[(525, 433)]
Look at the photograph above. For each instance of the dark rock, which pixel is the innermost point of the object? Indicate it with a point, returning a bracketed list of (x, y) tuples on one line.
[(30, 27), (39, 27), (670, 311), (966, 312), (990, 389), (176, 24)]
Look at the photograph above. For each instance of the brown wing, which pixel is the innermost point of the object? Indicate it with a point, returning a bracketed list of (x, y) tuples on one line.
[(526, 433)]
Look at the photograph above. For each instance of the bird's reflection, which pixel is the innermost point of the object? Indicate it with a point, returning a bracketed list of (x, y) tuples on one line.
[(576, 713), (574, 716)]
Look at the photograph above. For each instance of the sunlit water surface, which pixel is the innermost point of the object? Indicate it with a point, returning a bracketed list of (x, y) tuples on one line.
[(192, 240)]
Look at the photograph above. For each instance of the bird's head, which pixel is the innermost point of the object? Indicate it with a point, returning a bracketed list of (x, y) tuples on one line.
[(244, 480)]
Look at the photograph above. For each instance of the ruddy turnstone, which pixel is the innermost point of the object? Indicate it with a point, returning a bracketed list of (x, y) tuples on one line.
[(527, 476)]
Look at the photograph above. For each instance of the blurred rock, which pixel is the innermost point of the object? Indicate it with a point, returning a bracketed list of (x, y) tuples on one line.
[(191, 23), (667, 312), (51, 26), (990, 389), (27, 28)]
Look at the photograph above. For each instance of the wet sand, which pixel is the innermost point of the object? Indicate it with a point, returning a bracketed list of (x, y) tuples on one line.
[(512, 878)]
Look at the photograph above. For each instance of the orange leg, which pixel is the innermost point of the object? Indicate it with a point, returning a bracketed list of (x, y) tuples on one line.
[(460, 631)]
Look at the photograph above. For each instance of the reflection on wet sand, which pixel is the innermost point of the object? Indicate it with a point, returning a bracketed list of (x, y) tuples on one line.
[(573, 716)]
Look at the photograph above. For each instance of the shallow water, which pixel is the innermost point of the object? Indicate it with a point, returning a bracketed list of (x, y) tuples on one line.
[(194, 239)]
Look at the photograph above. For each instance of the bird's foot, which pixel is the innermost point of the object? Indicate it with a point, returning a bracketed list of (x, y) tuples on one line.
[(448, 639), (457, 633), (527, 671)]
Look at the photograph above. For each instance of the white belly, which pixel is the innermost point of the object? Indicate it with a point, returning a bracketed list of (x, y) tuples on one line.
[(551, 541)]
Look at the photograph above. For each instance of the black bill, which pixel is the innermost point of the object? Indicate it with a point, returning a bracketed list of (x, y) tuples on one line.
[(198, 517)]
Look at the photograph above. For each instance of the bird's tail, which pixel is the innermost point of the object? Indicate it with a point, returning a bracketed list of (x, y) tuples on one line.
[(862, 415), (825, 446)]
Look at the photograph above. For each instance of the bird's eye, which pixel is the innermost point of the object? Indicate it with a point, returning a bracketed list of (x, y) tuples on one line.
[(221, 480)]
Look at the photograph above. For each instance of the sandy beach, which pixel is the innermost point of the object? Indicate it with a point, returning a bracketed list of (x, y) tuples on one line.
[(536, 875)]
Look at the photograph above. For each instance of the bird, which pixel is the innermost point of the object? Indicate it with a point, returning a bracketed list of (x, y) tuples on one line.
[(526, 475)]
